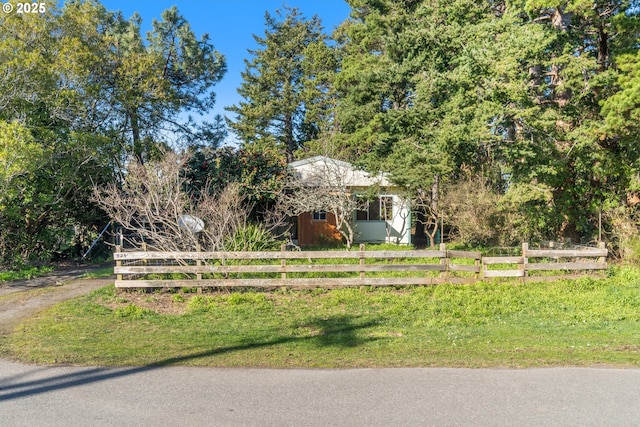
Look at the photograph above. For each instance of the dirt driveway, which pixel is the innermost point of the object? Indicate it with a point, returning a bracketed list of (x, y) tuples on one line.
[(17, 304)]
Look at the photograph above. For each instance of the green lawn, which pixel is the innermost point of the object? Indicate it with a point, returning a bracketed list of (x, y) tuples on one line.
[(24, 273), (586, 322)]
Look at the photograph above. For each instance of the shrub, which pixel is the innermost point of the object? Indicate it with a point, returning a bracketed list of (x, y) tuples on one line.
[(624, 234), (527, 213), (471, 207), (251, 237)]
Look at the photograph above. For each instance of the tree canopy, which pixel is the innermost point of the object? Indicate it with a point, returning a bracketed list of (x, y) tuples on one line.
[(535, 96), (532, 105), (80, 92), (279, 89)]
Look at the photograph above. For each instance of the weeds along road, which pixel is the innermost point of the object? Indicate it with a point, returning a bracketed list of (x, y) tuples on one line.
[(179, 396)]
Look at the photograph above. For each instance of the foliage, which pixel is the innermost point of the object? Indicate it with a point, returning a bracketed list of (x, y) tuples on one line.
[(541, 93), (259, 174), (538, 99), (24, 273), (624, 233), (277, 88), (80, 91), (470, 206), (150, 84), (573, 78), (526, 210), (251, 237), (622, 110), (45, 196)]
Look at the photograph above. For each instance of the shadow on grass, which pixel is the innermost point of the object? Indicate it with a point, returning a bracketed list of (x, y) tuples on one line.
[(332, 331), (337, 331)]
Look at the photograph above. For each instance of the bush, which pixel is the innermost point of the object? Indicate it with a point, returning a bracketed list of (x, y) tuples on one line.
[(527, 214), (252, 237), (471, 207), (481, 216), (624, 234)]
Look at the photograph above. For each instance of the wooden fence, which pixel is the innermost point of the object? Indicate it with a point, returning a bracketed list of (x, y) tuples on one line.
[(536, 264), (344, 268)]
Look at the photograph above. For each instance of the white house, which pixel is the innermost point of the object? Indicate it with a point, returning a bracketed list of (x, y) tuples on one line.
[(386, 217)]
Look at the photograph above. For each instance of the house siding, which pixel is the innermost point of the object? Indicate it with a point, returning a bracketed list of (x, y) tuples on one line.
[(320, 168), (311, 232)]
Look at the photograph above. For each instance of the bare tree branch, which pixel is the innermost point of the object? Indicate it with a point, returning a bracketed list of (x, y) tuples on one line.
[(154, 207), (324, 188)]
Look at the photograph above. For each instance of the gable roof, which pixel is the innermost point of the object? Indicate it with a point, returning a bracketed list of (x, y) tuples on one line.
[(321, 169)]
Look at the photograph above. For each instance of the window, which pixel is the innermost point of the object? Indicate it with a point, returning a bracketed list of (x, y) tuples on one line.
[(379, 209), (319, 215)]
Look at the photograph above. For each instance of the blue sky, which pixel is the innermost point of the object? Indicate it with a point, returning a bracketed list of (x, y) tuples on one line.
[(230, 25)]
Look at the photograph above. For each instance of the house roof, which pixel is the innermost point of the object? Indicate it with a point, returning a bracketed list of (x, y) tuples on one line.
[(325, 170)]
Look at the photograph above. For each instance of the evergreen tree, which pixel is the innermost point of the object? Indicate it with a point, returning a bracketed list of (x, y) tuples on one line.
[(509, 89), (567, 146), (424, 88), (278, 92), (155, 82)]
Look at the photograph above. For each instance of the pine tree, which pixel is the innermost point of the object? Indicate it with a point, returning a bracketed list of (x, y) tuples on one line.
[(277, 92)]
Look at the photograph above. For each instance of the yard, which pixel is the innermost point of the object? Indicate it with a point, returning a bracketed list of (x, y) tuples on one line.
[(585, 322)]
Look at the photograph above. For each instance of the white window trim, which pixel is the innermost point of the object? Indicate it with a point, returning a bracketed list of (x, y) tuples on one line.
[(320, 215), (384, 218)]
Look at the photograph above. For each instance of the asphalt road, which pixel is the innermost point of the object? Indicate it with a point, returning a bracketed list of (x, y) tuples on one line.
[(183, 396)]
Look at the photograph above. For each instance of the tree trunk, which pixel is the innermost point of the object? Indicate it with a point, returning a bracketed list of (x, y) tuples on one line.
[(138, 149), (561, 20), (421, 217), (603, 49), (289, 139), (435, 206)]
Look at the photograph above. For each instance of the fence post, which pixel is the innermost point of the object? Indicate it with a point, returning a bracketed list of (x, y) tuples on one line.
[(119, 248), (283, 262), (444, 261), (198, 264), (145, 261), (362, 259), (525, 260), (602, 245), (118, 262)]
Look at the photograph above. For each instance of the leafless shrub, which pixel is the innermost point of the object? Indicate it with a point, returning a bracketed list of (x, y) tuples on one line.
[(152, 204), (471, 207), (224, 214), (427, 213), (625, 233)]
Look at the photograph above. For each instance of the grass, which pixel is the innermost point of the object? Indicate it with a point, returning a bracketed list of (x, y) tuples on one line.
[(586, 322), (24, 273), (103, 272)]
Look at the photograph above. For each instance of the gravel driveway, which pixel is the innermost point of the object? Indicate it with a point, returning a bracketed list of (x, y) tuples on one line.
[(16, 304)]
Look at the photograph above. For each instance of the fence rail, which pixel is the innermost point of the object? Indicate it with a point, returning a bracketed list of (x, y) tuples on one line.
[(144, 269)]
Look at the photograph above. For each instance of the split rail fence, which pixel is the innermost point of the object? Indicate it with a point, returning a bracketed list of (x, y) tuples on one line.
[(145, 269)]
